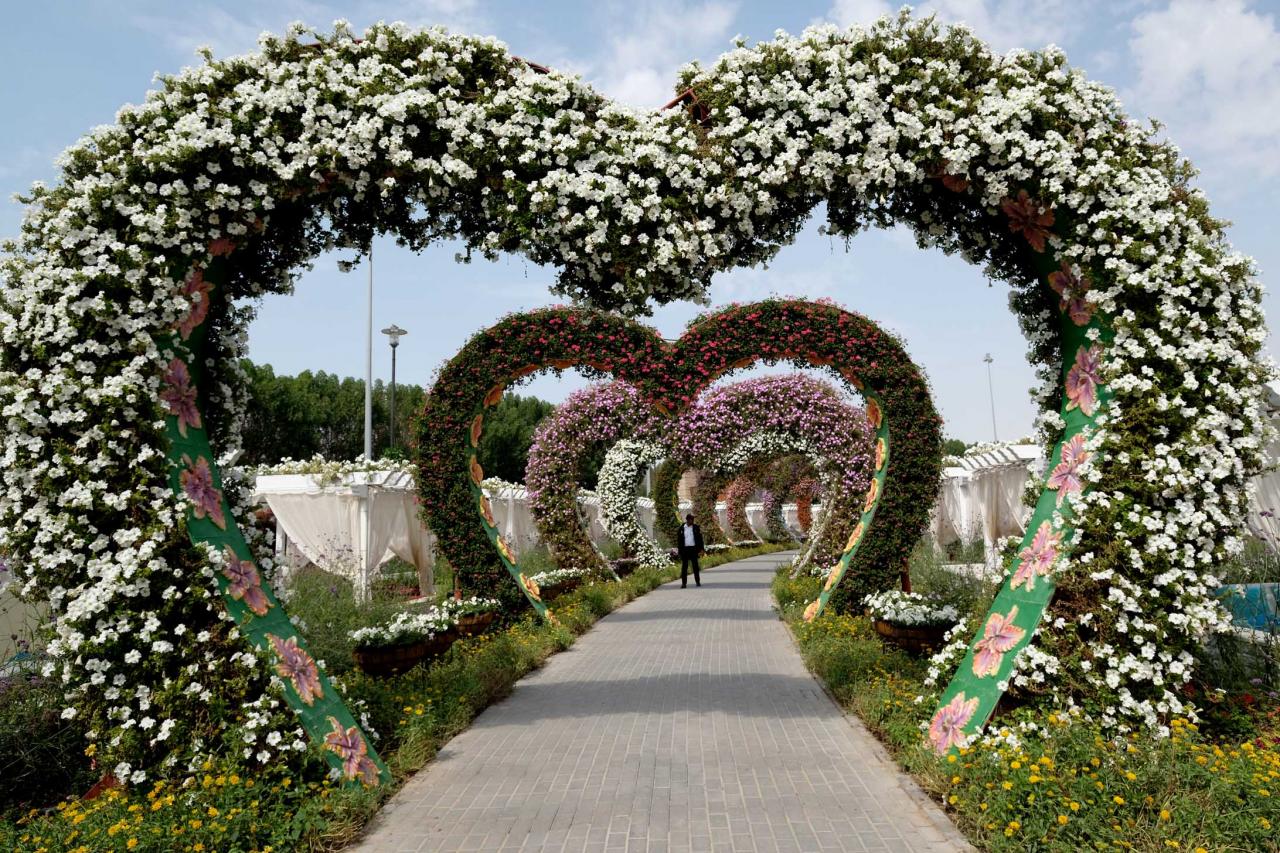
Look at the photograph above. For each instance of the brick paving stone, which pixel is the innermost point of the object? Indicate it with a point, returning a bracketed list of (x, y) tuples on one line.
[(685, 721)]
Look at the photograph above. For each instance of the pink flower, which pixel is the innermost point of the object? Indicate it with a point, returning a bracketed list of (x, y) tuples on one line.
[(1072, 288), (999, 636), (946, 729), (245, 583), (198, 289), (1083, 381), (1028, 218), (350, 746), (197, 483), (1038, 558), (1065, 476), (179, 396), (297, 667)]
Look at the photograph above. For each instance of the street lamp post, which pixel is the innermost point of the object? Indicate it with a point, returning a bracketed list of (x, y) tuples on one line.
[(395, 333), (992, 392)]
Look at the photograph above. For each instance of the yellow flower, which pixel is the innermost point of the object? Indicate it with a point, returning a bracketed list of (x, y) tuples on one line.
[(131, 843), (1165, 814), (1118, 800), (1062, 819)]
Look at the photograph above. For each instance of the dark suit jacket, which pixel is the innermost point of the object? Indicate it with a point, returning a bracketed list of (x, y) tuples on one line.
[(697, 539)]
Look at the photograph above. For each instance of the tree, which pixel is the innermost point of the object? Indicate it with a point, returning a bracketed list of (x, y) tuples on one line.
[(299, 416), (508, 432), (953, 447)]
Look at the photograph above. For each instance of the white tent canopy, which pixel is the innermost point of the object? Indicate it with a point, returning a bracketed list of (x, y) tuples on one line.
[(982, 496)]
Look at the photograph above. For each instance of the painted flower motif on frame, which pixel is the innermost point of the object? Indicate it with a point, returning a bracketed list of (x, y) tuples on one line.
[(874, 415), (197, 484), (881, 451), (1071, 287), (1037, 559), (245, 584), (999, 636), (946, 729), (179, 396), (197, 290), (811, 612), (1083, 380), (872, 494), (531, 587), (833, 577), (350, 746), (221, 247), (297, 667), (1065, 476), (1028, 218)]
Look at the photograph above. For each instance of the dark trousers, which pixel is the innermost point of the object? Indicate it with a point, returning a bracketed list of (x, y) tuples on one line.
[(687, 556)]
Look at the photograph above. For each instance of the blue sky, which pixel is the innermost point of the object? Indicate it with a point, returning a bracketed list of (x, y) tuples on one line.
[(1208, 69)]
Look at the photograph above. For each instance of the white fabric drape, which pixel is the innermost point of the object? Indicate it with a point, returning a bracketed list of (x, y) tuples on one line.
[(353, 525)]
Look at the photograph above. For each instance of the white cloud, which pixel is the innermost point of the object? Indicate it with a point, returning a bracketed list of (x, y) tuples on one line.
[(647, 42), (1003, 24), (185, 27), (1210, 70)]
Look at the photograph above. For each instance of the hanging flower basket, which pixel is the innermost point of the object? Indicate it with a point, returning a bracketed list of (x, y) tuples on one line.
[(383, 661), (917, 639), (471, 624)]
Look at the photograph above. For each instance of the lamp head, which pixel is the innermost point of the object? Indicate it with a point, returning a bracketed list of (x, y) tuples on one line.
[(394, 332)]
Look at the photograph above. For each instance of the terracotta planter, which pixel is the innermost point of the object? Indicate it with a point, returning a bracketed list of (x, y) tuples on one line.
[(555, 590), (918, 639), (475, 623), (390, 660)]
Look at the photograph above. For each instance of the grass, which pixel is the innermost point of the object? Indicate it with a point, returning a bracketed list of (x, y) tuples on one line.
[(1058, 783), (220, 807)]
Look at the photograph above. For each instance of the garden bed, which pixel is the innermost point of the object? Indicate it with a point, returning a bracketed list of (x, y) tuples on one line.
[(222, 806), (1059, 783)]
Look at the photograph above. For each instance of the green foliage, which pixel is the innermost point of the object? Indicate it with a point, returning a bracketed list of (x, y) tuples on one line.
[(299, 416), (666, 499), (41, 755), (969, 595), (1258, 563), (508, 431), (953, 447), (1065, 784)]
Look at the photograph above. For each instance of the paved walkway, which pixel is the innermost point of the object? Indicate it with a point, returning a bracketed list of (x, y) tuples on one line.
[(685, 721)]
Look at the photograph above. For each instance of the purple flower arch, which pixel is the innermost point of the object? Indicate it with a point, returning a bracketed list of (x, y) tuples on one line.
[(596, 416), (807, 407)]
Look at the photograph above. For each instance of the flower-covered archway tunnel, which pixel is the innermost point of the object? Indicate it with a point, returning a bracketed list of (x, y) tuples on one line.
[(119, 329)]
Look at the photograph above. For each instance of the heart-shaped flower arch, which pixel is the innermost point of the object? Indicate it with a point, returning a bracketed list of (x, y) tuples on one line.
[(670, 377), (806, 408), (1017, 162)]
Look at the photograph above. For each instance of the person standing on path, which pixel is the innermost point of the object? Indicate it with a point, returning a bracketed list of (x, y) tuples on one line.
[(690, 549)]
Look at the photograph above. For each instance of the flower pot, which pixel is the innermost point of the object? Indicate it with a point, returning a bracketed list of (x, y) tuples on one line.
[(557, 589), (475, 623), (390, 660), (917, 639)]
